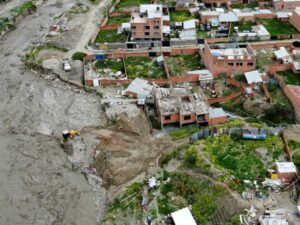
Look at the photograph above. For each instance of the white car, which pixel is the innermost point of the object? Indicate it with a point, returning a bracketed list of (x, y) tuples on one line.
[(67, 66)]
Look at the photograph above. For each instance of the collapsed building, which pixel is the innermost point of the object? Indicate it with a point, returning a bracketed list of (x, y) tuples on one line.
[(181, 106)]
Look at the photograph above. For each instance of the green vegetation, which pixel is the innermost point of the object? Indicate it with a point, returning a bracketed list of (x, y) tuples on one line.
[(242, 25), (290, 77), (78, 56), (180, 16), (125, 4), (201, 194), (179, 65), (110, 36), (250, 5), (276, 27), (282, 110), (174, 154), (24, 9), (114, 64), (143, 67), (6, 24), (240, 158), (118, 20), (202, 34), (235, 106), (264, 59), (183, 132)]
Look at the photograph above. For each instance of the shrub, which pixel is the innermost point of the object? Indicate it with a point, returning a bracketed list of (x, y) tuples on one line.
[(78, 56)]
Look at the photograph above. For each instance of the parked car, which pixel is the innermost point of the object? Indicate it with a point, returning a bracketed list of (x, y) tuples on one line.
[(208, 28), (66, 65)]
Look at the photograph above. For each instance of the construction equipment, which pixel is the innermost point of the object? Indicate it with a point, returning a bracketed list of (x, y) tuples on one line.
[(69, 134)]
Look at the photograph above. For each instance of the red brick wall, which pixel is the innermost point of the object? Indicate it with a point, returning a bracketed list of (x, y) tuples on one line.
[(174, 119), (119, 13), (279, 67), (214, 121), (109, 27), (265, 16), (184, 51), (224, 99), (295, 20)]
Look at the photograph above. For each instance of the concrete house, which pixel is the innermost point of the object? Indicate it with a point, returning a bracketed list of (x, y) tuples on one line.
[(228, 59), (147, 22), (286, 171), (295, 18)]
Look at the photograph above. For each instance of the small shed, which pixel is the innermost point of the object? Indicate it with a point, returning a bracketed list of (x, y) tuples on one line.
[(139, 88), (183, 217), (217, 116), (253, 77), (189, 24), (286, 171)]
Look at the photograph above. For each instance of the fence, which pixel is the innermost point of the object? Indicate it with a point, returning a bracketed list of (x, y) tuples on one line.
[(273, 68)]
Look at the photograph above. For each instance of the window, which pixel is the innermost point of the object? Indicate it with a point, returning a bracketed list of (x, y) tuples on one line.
[(147, 33), (250, 64), (239, 64), (187, 117), (156, 33), (156, 27), (133, 27), (230, 64), (167, 117), (147, 27)]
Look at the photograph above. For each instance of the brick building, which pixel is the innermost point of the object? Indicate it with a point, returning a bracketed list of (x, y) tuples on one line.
[(180, 106), (286, 171), (147, 22), (228, 59), (295, 19), (293, 94), (286, 4)]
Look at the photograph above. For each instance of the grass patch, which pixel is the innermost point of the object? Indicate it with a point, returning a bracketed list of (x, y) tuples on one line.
[(124, 4), (180, 16), (6, 24), (276, 27), (114, 64), (183, 132), (179, 65), (143, 67), (118, 20), (110, 36), (264, 59), (290, 77), (239, 157), (242, 25), (174, 154), (202, 34)]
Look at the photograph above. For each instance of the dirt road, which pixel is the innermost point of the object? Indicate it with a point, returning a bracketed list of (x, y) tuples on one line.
[(37, 183)]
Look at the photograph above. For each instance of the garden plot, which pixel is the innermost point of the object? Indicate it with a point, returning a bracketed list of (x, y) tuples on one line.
[(110, 36), (110, 68), (144, 67), (180, 65), (290, 77), (127, 4), (118, 20), (180, 16), (244, 159), (242, 26), (264, 57), (276, 27)]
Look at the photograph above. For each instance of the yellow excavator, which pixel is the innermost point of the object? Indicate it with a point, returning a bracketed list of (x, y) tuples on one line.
[(69, 134)]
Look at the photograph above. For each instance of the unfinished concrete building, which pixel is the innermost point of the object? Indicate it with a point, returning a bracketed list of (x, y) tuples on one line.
[(229, 59), (147, 22), (181, 106)]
